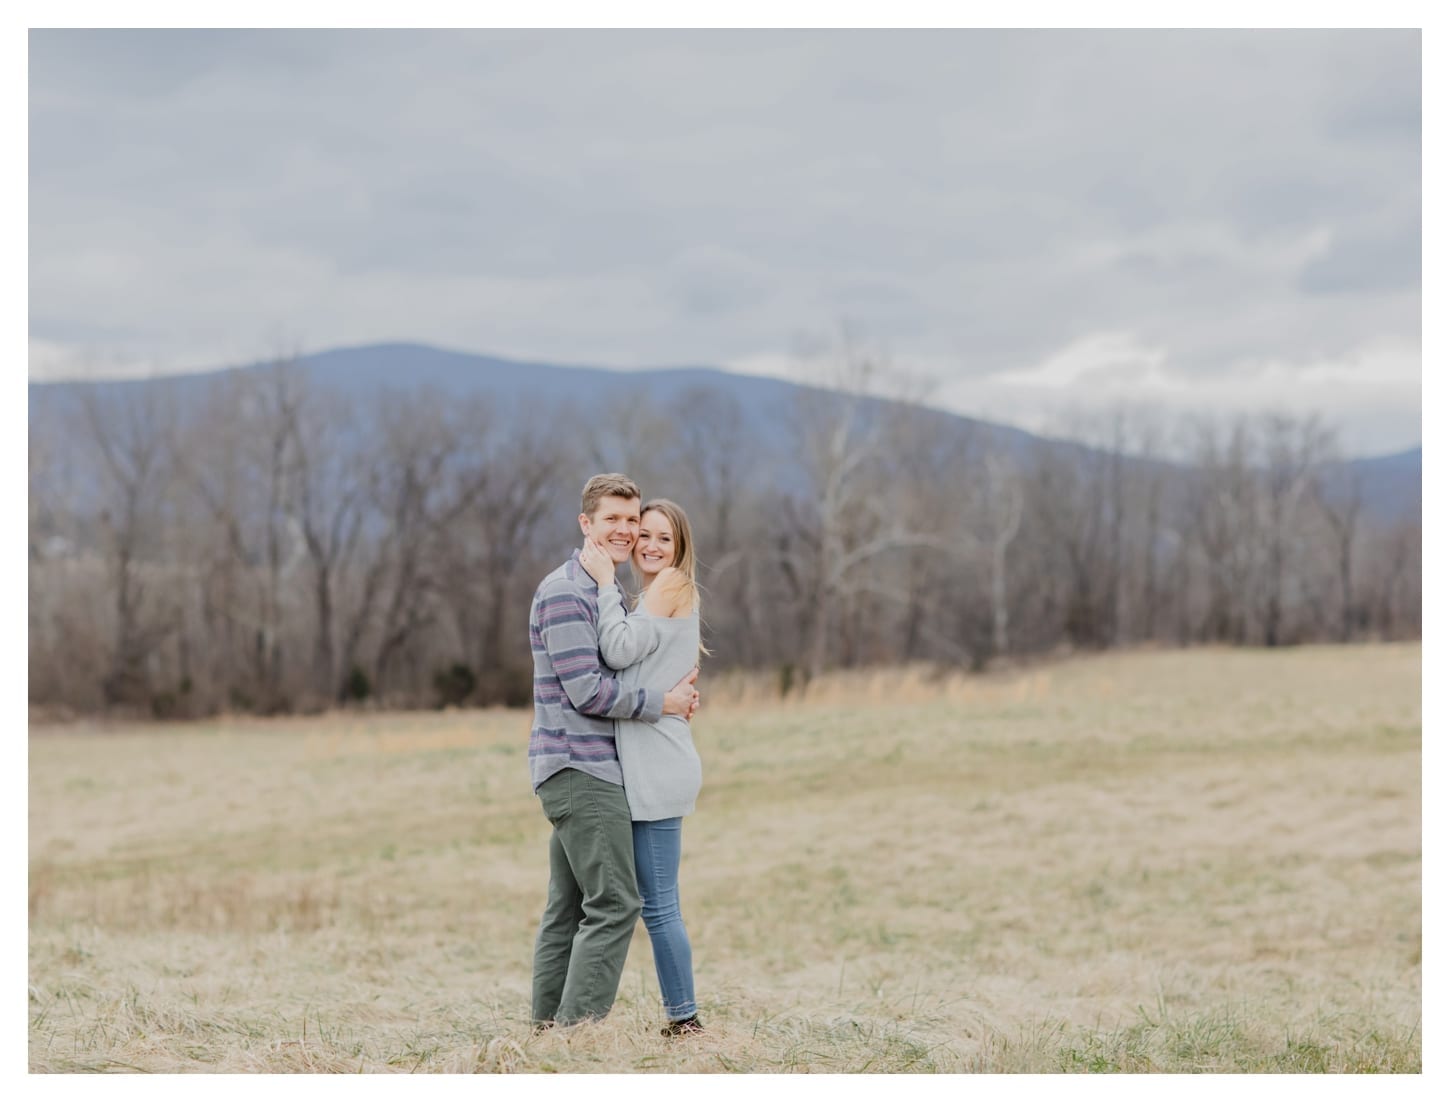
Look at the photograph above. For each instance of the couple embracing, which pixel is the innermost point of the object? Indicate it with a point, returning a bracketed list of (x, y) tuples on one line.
[(610, 754)]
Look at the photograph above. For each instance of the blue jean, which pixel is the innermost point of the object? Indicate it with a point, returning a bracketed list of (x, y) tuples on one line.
[(657, 869)]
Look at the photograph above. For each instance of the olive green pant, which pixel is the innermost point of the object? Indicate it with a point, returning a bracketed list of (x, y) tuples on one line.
[(593, 899)]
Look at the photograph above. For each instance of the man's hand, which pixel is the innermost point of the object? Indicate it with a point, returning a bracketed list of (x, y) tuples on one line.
[(684, 698), (597, 563)]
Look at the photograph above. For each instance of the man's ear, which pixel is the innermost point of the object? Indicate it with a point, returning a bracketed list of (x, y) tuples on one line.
[(584, 523)]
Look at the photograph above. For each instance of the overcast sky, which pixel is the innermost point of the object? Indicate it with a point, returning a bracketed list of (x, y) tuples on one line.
[(1033, 222)]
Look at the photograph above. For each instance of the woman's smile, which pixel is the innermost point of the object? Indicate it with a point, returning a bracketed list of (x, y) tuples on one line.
[(655, 548)]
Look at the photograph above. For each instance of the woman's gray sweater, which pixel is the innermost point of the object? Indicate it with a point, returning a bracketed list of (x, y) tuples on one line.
[(658, 759)]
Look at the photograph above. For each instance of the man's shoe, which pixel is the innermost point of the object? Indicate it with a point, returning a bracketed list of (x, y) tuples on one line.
[(683, 1027)]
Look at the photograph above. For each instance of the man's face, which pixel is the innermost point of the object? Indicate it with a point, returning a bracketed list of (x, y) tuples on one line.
[(615, 525)]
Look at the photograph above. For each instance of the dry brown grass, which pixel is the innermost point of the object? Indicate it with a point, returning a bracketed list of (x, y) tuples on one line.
[(1151, 862)]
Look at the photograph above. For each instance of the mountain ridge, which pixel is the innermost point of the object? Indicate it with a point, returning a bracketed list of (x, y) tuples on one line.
[(1392, 482), (378, 362)]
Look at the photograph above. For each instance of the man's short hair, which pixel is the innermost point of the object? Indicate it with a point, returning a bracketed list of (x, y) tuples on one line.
[(606, 485)]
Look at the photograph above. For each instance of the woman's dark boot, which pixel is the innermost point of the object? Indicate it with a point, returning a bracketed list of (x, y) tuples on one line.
[(683, 1027)]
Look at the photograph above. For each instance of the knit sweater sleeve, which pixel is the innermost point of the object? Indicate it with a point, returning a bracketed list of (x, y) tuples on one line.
[(623, 639), (567, 629)]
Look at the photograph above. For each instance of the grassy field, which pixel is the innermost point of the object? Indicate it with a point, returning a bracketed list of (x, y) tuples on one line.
[(1183, 862)]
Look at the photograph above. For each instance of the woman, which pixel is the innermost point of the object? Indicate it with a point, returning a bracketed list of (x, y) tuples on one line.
[(661, 768)]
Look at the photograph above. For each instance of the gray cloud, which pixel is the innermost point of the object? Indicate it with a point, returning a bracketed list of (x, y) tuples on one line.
[(979, 200), (711, 281), (1368, 259)]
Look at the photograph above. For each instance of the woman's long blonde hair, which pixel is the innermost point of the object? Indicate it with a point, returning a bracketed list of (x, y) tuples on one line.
[(685, 561)]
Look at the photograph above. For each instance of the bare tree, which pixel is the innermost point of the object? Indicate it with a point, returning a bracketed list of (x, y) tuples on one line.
[(1293, 452), (128, 433), (628, 432), (257, 542), (846, 525), (1003, 514), (706, 450), (1340, 496), (1220, 516), (1152, 535), (504, 502), (1396, 589), (326, 506), (1068, 494), (935, 523), (431, 469), (241, 459)]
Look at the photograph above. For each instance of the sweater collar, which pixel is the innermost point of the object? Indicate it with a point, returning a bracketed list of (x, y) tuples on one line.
[(580, 576)]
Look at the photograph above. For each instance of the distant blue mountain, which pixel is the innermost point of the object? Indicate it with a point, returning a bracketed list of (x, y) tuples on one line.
[(521, 387), (1390, 484), (384, 367)]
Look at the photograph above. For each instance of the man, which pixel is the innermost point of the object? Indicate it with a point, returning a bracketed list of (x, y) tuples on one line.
[(593, 900)]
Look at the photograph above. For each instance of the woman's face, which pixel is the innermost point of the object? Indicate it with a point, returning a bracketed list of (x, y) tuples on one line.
[(655, 548)]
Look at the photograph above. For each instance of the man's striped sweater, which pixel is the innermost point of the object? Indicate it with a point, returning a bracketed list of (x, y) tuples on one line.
[(575, 700)]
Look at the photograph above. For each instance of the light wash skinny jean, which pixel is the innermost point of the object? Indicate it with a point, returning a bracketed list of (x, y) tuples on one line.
[(657, 869)]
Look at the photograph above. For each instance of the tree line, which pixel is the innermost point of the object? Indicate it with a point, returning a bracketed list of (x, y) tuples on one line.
[(259, 544)]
